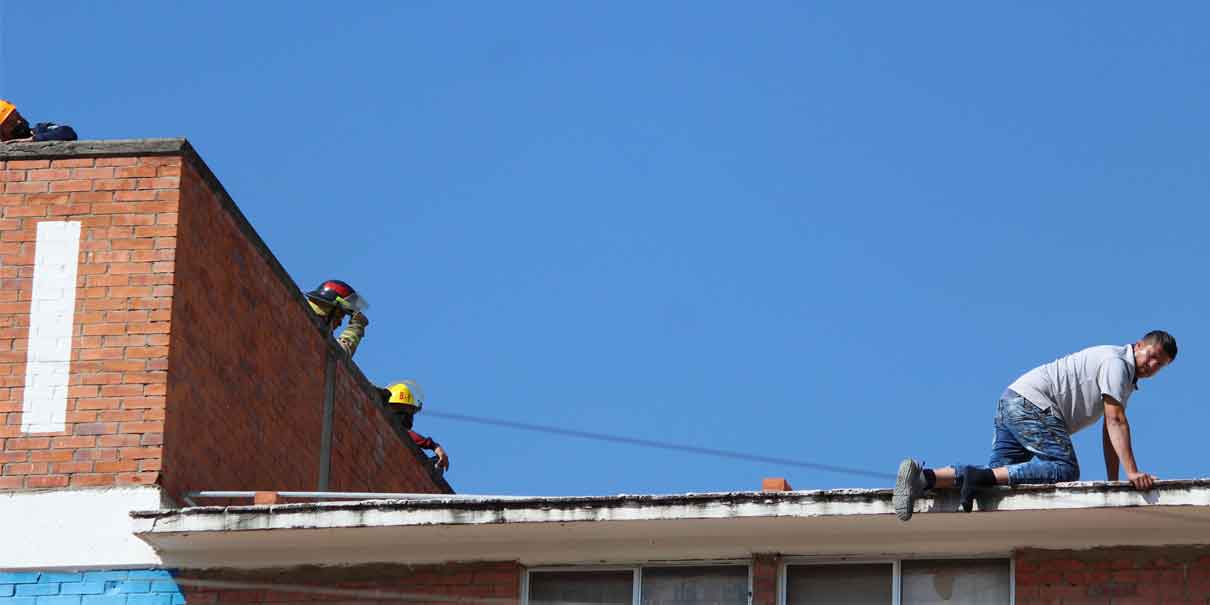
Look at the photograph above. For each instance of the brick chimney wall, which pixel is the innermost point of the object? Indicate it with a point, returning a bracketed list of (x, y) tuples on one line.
[(190, 359)]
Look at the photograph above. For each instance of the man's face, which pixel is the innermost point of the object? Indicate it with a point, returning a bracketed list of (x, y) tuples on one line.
[(1149, 359)]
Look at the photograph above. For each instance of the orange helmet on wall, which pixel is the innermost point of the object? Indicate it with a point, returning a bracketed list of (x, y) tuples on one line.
[(6, 109)]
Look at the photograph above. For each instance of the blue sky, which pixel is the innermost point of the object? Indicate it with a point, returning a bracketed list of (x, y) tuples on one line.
[(830, 231)]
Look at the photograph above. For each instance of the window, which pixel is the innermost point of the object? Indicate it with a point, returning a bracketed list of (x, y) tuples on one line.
[(839, 584), (605, 587), (974, 582), (663, 585), (918, 582)]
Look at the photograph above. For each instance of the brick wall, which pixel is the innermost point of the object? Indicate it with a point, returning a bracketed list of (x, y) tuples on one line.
[(247, 364), (493, 583), (1114, 575), (175, 349), (764, 579), (114, 409), (366, 452)]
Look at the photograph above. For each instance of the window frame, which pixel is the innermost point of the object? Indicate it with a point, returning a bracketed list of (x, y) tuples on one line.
[(896, 570), (636, 586)]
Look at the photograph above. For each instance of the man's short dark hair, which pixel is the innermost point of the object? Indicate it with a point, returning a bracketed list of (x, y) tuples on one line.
[(1163, 339)]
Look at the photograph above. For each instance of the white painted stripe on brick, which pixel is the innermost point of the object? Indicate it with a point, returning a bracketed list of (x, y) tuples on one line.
[(51, 318)]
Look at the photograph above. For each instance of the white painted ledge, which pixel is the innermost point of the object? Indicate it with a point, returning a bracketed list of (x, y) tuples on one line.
[(74, 528), (546, 531)]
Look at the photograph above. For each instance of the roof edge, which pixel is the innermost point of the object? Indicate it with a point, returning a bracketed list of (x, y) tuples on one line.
[(93, 148), (849, 496)]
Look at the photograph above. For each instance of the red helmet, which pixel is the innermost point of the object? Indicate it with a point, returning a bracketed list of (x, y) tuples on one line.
[(335, 293)]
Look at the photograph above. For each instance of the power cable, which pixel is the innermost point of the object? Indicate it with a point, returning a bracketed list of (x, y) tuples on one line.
[(554, 430)]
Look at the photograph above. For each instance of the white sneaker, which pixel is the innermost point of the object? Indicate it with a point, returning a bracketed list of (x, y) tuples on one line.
[(909, 485)]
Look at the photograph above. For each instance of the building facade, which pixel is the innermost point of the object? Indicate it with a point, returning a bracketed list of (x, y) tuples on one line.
[(129, 387)]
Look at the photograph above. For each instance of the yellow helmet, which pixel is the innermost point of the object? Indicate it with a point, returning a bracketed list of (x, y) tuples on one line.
[(407, 393)]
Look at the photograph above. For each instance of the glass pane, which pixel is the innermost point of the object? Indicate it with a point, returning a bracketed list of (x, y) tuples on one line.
[(839, 584), (975, 582), (695, 585), (581, 587)]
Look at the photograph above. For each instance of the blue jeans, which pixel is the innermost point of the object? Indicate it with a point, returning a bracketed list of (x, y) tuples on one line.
[(1033, 443)]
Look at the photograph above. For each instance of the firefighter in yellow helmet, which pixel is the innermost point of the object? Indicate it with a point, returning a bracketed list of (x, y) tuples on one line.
[(406, 399), (332, 301)]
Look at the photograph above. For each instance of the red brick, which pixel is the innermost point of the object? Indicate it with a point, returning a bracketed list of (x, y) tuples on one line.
[(98, 404), (133, 219), (156, 231), (115, 184), (167, 182), (73, 163), (137, 478), (68, 209), (122, 390), (117, 466), (122, 416), (24, 211), (142, 427), (105, 329), (101, 172), (136, 171), (137, 195), (92, 480), (72, 185), (148, 328), (117, 161), (96, 428), (49, 456), (72, 442), (95, 454), (106, 281), (27, 164), (81, 417), (28, 443), (131, 403), (26, 468), (92, 197), (100, 354), (49, 174), (72, 467), (131, 292), (118, 441), (47, 481)]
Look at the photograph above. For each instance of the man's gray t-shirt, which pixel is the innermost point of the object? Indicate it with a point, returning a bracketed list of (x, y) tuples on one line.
[(1073, 385)]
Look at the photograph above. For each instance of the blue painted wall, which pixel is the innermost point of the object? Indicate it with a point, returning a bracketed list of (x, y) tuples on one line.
[(118, 587)]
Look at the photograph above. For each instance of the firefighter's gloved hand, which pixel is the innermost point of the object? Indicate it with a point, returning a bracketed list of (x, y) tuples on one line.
[(360, 318), (443, 459)]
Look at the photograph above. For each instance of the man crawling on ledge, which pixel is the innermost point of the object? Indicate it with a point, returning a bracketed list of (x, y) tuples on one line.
[(1037, 415)]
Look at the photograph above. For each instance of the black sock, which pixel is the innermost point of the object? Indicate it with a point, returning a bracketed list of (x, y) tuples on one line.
[(974, 478), (930, 478)]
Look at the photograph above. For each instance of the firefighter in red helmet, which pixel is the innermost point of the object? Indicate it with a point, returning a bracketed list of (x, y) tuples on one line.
[(332, 301)]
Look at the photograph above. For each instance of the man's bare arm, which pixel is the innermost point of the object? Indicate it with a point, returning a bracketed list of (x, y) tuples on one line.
[(1118, 430), (1111, 457)]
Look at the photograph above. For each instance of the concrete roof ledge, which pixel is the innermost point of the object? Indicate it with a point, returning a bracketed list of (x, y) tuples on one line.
[(625, 527), (630, 507), (107, 148)]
